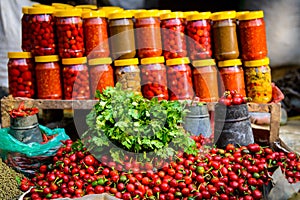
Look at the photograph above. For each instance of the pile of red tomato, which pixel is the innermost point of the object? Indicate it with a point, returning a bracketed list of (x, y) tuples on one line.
[(233, 98)]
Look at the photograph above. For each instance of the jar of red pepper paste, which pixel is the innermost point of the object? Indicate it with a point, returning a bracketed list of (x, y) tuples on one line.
[(75, 78), (179, 75), (252, 33), (42, 30), (48, 78), (70, 33), (232, 76), (173, 34), (101, 75), (205, 79), (26, 39), (199, 32), (154, 78), (95, 34), (21, 76), (148, 34)]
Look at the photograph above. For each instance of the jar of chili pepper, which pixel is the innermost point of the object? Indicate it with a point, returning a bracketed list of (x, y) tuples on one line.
[(122, 39), (95, 34), (179, 75), (26, 38), (148, 34), (205, 79), (258, 80), (199, 32), (42, 30), (252, 33), (101, 74), (48, 78), (70, 33), (225, 36), (128, 74), (173, 34), (21, 76), (75, 78), (232, 76), (154, 78)]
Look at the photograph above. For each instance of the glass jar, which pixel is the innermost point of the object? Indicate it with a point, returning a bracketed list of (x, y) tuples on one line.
[(148, 34), (205, 79), (26, 41), (42, 30), (154, 78), (199, 32), (173, 34), (252, 32), (21, 79), (75, 78), (258, 80), (96, 34), (179, 79), (101, 74), (232, 76), (70, 33), (225, 36), (128, 74), (48, 79), (122, 39)]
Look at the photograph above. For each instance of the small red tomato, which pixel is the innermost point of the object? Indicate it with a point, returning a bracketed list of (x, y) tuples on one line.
[(225, 101), (237, 100)]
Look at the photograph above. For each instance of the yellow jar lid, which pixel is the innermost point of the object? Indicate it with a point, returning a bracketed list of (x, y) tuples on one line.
[(228, 63), (73, 61), (40, 5), (107, 8), (133, 12), (124, 62), (93, 14), (90, 6), (146, 14), (19, 55), (52, 58), (152, 60), (199, 16), (25, 9), (240, 13), (68, 13), (255, 63), (160, 12), (188, 13), (252, 15), (223, 15), (100, 61), (61, 5), (120, 15), (203, 63), (41, 10), (171, 15), (178, 61)]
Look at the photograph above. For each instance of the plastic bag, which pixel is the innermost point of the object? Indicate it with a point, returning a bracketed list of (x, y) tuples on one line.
[(27, 158)]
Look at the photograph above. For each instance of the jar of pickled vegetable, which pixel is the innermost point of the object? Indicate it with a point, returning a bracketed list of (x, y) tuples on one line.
[(70, 33), (179, 75), (154, 78), (21, 76), (225, 36), (122, 39), (258, 80), (252, 33), (101, 74), (205, 79), (75, 78), (48, 79), (148, 34), (42, 30), (96, 34), (128, 74), (173, 34), (26, 38), (232, 76), (199, 32)]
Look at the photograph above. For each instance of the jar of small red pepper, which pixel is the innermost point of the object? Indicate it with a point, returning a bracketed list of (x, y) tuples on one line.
[(95, 34), (148, 34), (252, 32), (70, 33), (205, 79), (48, 78), (173, 34), (26, 39), (154, 78), (42, 30), (21, 76), (101, 74), (75, 78), (179, 75), (232, 76), (199, 32)]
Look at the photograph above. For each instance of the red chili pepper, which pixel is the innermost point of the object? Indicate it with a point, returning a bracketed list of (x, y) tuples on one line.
[(45, 138), (21, 106)]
